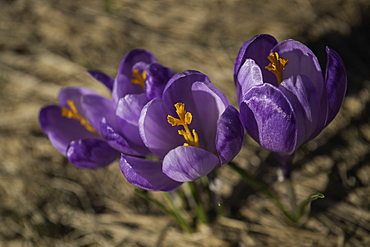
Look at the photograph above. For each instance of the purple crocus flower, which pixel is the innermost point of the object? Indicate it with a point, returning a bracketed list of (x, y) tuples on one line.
[(192, 128), (91, 130), (73, 127), (284, 99), (140, 79)]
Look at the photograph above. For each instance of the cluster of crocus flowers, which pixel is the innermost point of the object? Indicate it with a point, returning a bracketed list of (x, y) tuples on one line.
[(91, 130), (283, 97), (191, 129), (186, 122)]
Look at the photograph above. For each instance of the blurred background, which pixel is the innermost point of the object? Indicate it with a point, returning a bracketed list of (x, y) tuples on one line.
[(49, 44)]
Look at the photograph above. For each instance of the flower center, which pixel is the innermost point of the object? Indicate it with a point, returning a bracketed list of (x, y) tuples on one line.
[(185, 119), (277, 65), (139, 79), (74, 114)]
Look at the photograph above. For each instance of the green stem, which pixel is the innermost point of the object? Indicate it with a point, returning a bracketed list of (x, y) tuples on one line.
[(262, 187), (216, 206), (201, 214), (292, 199), (177, 212), (180, 193), (174, 214)]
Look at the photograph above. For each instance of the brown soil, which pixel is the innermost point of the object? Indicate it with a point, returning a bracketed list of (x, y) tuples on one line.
[(49, 44)]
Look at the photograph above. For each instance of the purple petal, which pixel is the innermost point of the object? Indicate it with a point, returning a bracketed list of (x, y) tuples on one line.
[(106, 80), (146, 174), (133, 57), (210, 88), (302, 61), (61, 130), (95, 108), (258, 48), (118, 142), (113, 138), (91, 153), (127, 115), (157, 77), (129, 107), (158, 135), (123, 86), (230, 135), (305, 100), (75, 94), (210, 103), (269, 118), (336, 83), (187, 163), (179, 86), (249, 75)]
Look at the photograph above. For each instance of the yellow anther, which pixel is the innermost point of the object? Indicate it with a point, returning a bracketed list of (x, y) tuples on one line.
[(74, 114), (139, 79), (184, 119), (277, 65)]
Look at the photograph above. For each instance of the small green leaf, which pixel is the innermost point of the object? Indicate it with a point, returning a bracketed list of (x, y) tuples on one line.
[(304, 207)]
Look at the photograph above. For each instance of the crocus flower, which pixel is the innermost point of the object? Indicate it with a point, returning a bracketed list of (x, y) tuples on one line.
[(73, 127), (191, 128), (91, 130), (140, 79), (283, 97)]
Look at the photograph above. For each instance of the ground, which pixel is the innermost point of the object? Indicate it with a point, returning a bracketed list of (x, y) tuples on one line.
[(49, 44)]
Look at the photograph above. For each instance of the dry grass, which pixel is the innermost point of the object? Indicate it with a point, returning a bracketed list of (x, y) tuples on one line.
[(48, 44)]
